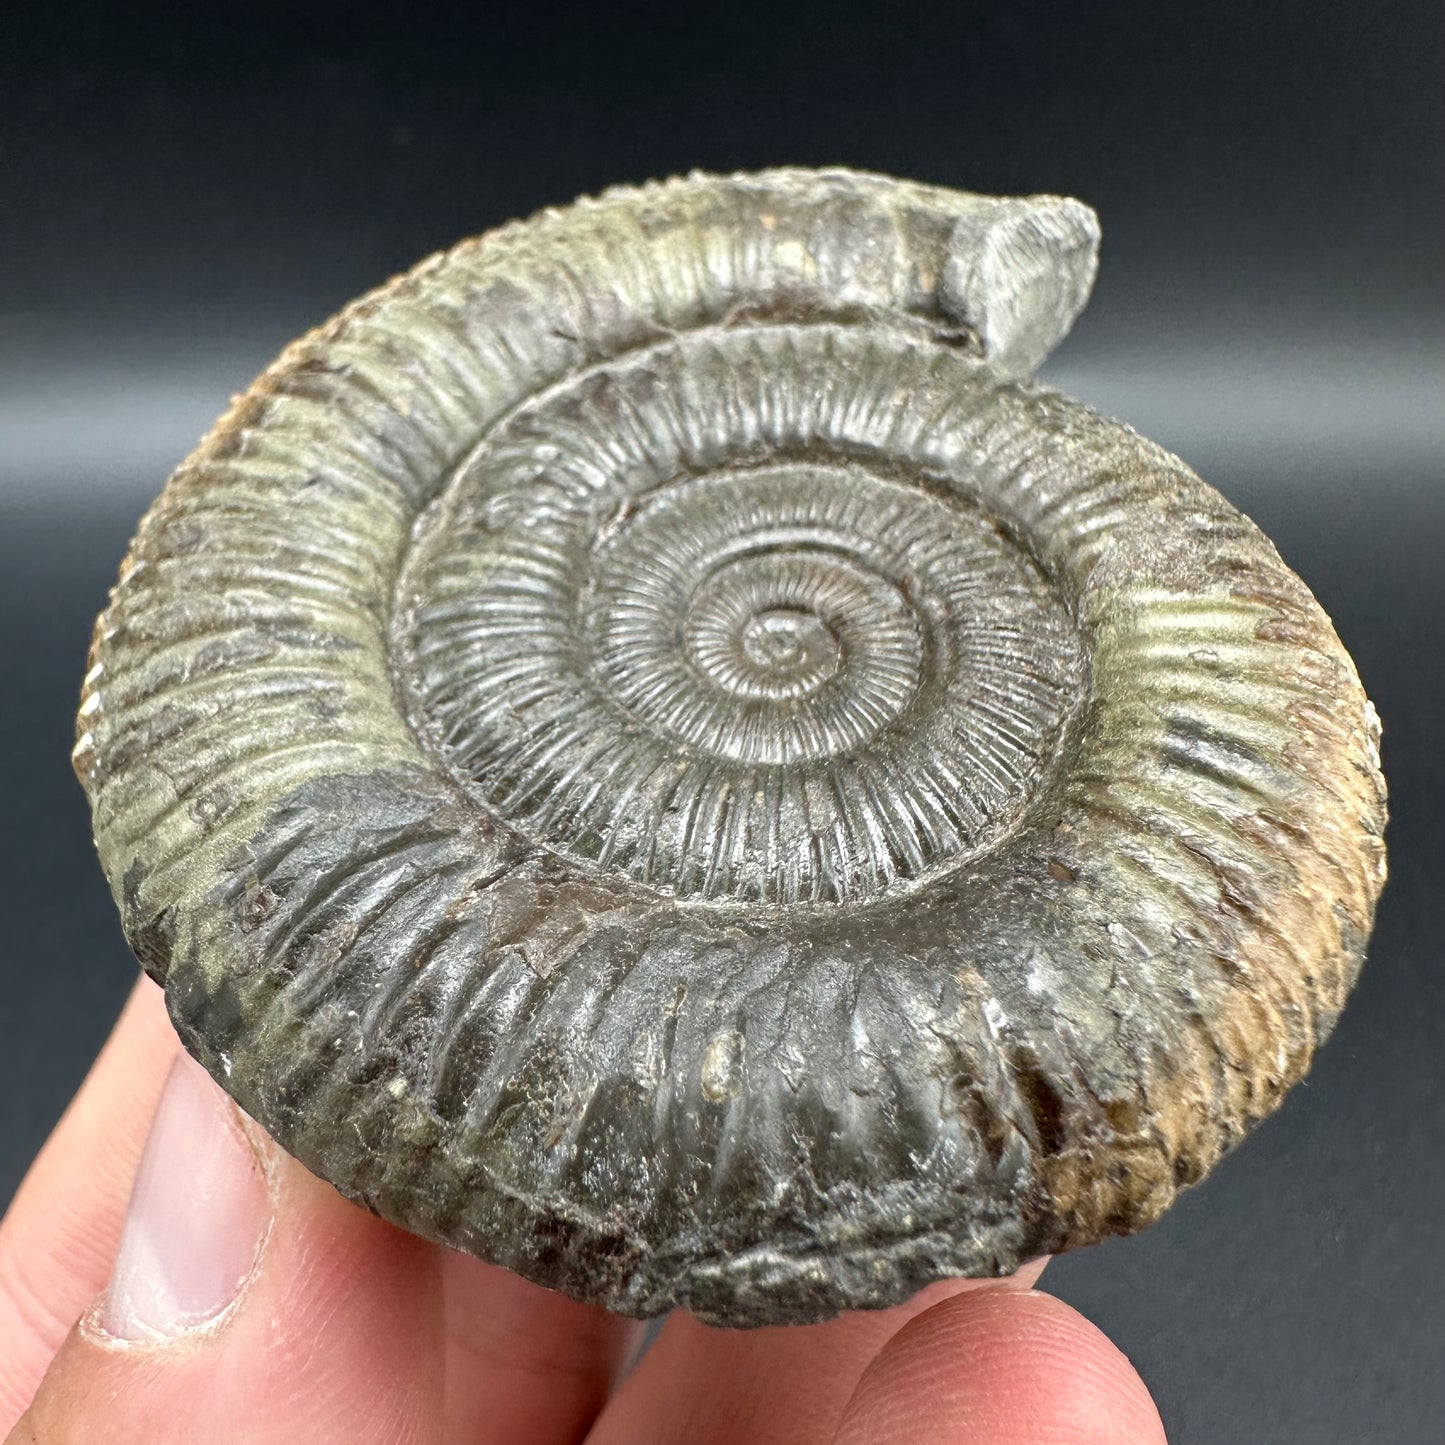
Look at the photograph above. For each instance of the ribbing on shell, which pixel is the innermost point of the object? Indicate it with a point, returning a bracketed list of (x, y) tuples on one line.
[(643, 751)]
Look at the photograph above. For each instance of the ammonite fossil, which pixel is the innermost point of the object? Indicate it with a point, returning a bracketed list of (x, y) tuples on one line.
[(646, 750)]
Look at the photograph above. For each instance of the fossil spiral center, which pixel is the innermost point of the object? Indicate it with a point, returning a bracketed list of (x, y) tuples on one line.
[(789, 650), (733, 613), (729, 664), (778, 651)]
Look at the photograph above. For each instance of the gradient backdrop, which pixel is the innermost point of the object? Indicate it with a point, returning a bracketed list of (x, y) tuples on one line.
[(182, 190)]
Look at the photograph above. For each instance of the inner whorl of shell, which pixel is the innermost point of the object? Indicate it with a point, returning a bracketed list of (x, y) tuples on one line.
[(643, 750), (703, 617)]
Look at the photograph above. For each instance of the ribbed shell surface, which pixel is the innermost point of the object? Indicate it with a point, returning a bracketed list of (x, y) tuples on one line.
[(645, 751)]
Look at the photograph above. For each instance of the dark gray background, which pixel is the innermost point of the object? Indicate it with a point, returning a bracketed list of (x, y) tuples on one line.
[(181, 193)]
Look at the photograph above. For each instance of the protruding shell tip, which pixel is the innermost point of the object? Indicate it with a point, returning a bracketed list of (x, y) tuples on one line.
[(1019, 272)]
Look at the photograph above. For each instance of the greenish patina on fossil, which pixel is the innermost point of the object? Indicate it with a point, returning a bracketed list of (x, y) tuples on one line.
[(646, 750)]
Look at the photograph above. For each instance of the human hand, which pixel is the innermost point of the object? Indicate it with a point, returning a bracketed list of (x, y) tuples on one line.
[(249, 1303)]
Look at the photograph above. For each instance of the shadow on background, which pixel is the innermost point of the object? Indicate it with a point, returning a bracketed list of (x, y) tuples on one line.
[(178, 198)]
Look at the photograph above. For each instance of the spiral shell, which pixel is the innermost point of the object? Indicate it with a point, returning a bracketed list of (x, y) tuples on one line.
[(644, 750)]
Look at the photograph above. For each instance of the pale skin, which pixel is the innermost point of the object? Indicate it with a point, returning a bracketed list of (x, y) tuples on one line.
[(337, 1329)]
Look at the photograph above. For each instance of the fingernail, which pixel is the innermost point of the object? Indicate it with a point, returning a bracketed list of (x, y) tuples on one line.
[(198, 1215)]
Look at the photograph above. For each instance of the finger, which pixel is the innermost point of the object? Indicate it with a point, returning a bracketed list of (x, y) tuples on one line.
[(524, 1363), (1000, 1368), (59, 1237), (248, 1301), (767, 1386), (58, 1242)]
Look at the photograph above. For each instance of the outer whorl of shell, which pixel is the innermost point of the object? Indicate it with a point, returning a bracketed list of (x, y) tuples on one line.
[(643, 751)]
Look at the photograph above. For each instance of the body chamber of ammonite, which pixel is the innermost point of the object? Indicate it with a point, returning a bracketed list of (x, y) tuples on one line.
[(645, 750)]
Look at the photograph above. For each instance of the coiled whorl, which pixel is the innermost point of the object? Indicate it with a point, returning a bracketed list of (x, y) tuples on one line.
[(643, 750)]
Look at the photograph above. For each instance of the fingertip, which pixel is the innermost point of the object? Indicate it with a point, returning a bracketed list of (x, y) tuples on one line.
[(336, 1337), (58, 1238), (199, 1212), (1013, 1367)]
